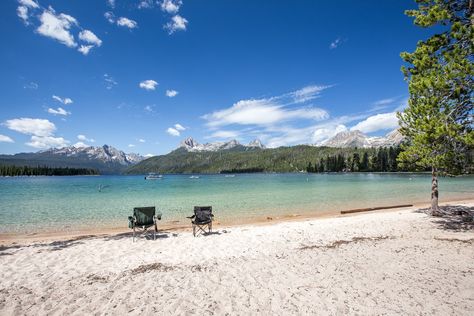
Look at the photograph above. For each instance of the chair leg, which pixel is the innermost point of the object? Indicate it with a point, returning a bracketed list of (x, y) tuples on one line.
[(194, 230), (133, 233), (156, 231)]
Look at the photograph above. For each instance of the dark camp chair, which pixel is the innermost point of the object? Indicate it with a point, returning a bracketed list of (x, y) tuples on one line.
[(202, 217), (142, 219)]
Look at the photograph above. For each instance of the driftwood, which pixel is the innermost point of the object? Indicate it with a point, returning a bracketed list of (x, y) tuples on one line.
[(357, 210)]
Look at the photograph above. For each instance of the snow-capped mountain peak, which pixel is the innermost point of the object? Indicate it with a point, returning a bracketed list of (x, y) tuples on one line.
[(358, 139), (105, 153), (192, 145)]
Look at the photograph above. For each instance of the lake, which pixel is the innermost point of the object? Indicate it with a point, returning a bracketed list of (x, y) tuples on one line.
[(42, 204)]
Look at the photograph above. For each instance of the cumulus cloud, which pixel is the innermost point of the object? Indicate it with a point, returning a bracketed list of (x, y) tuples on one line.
[(322, 134), (89, 37), (384, 121), (22, 12), (149, 108), (148, 84), (85, 49), (30, 126), (173, 132), (126, 22), (42, 142), (57, 27), (5, 139), (171, 6), (64, 101), (111, 3), (84, 138), (171, 93), (131, 145), (58, 111), (177, 23), (29, 3), (141, 140)]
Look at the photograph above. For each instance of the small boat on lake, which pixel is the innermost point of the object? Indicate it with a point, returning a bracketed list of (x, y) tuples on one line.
[(194, 177), (229, 175), (153, 176)]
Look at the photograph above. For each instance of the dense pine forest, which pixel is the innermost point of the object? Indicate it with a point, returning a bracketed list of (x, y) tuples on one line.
[(44, 171)]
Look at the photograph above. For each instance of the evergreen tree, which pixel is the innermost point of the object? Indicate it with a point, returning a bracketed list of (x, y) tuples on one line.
[(439, 118)]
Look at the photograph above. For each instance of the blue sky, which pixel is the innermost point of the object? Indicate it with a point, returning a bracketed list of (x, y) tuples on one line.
[(143, 75)]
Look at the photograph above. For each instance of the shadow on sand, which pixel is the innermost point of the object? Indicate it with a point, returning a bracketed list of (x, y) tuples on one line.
[(456, 218)]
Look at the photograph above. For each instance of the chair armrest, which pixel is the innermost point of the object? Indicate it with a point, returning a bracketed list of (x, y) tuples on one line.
[(191, 217), (157, 217), (131, 221)]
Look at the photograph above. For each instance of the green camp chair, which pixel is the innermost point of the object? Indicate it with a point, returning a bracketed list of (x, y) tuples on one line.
[(201, 219), (143, 218)]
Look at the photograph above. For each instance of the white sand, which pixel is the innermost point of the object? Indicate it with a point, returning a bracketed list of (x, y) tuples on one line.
[(400, 262)]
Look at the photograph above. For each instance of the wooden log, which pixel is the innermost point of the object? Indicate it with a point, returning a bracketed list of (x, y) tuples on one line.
[(369, 209)]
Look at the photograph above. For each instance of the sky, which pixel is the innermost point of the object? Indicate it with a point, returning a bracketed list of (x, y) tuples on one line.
[(143, 75)]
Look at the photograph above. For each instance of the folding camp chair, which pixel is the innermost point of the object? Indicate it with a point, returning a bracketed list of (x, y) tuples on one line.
[(143, 218), (201, 219)]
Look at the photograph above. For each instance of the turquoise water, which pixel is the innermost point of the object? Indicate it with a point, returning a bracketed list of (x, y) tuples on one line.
[(36, 204)]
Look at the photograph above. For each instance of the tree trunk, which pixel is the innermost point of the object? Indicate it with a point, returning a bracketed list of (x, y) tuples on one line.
[(434, 192)]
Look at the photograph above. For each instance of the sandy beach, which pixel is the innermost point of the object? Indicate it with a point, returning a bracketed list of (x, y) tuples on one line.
[(392, 262)]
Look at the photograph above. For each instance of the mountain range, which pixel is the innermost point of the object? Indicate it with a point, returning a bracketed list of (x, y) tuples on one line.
[(358, 139), (106, 159), (109, 160)]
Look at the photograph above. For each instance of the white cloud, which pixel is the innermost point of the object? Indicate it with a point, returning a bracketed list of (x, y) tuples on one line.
[(131, 145), (320, 135), (89, 37), (171, 6), (384, 121), (384, 102), (5, 139), (111, 3), (261, 112), (224, 134), (30, 126), (57, 27), (173, 132), (80, 145), (177, 23), (29, 3), (109, 82), (85, 49), (110, 17), (148, 84), (334, 44), (126, 22), (84, 138), (171, 93), (64, 101), (42, 142), (307, 93), (149, 155), (179, 127), (22, 13), (141, 140), (149, 108), (146, 4), (31, 85), (59, 111)]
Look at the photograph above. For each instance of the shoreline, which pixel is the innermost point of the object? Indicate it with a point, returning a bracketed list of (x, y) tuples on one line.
[(16, 239), (400, 262)]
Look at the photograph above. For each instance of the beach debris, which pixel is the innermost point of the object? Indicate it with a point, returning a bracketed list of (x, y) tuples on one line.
[(338, 243)]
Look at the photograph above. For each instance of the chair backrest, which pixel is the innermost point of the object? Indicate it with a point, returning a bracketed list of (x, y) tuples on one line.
[(203, 213), (144, 215)]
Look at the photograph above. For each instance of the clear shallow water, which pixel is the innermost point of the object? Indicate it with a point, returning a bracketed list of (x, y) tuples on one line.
[(35, 204)]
